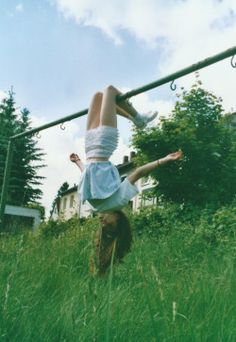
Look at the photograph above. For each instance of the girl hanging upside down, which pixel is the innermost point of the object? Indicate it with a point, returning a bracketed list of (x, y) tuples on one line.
[(100, 183)]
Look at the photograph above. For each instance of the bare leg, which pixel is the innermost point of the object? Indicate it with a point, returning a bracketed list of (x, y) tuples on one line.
[(93, 118), (124, 108), (146, 169), (108, 109)]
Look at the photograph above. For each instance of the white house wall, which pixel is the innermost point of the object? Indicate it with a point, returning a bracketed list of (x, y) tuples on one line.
[(70, 205)]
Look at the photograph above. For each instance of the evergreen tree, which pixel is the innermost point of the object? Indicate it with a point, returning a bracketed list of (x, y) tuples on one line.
[(199, 128), (7, 120), (27, 157)]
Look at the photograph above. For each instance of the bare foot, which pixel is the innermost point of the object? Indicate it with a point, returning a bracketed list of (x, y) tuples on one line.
[(74, 157)]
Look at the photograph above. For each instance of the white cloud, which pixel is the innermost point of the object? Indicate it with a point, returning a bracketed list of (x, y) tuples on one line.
[(179, 22), (184, 32), (19, 7)]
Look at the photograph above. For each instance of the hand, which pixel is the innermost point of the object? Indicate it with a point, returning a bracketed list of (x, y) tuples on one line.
[(171, 157), (175, 156), (74, 157)]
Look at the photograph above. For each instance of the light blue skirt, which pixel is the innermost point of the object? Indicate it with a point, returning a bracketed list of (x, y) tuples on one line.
[(99, 180)]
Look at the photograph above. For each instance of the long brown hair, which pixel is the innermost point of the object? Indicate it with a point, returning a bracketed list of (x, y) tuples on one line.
[(113, 235)]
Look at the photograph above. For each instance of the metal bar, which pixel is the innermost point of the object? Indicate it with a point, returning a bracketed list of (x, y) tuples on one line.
[(51, 124), (6, 180), (202, 64), (197, 66)]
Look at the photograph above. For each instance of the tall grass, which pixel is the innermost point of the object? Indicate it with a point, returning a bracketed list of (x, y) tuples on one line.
[(174, 288)]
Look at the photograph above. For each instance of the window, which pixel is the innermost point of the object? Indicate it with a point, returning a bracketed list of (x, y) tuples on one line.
[(145, 180), (64, 203), (72, 197), (146, 202)]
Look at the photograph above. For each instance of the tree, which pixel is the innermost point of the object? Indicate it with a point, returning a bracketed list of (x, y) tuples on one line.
[(63, 188), (27, 157), (198, 127)]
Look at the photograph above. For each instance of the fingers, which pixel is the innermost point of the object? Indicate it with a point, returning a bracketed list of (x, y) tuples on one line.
[(176, 155), (179, 155), (74, 157)]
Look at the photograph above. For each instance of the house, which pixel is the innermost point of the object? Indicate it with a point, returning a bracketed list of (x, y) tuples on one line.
[(145, 184), (233, 119), (69, 204)]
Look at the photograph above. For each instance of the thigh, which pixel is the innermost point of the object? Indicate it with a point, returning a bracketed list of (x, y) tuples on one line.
[(108, 110), (93, 118)]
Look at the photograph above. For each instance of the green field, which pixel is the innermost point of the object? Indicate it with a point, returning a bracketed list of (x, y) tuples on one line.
[(178, 286)]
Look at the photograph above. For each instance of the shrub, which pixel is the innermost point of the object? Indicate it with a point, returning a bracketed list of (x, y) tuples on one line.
[(156, 221), (57, 228), (220, 226), (211, 224)]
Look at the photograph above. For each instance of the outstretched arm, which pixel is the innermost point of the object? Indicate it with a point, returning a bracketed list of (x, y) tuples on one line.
[(76, 159), (146, 169)]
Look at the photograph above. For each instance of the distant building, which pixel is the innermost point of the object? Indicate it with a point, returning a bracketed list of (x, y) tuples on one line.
[(69, 204), (233, 119)]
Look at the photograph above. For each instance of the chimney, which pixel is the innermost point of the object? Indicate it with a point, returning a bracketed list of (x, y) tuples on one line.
[(125, 159), (132, 155)]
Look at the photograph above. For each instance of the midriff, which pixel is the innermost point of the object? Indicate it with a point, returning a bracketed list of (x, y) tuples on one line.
[(97, 159)]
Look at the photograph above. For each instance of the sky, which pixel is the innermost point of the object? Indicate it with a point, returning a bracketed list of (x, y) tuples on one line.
[(57, 53)]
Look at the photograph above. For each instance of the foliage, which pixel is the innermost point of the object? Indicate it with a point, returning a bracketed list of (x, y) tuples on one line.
[(210, 224), (58, 228), (55, 228), (27, 157), (198, 127), (219, 227)]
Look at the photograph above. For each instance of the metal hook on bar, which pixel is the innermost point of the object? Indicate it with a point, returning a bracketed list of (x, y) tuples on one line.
[(38, 135), (232, 62), (173, 85), (62, 126)]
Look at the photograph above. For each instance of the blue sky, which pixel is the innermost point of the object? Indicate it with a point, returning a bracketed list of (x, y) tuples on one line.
[(57, 53)]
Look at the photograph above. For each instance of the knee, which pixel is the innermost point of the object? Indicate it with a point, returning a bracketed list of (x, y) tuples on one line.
[(98, 95), (111, 90)]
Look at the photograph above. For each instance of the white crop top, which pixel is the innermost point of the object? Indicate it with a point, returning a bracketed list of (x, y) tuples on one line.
[(101, 141)]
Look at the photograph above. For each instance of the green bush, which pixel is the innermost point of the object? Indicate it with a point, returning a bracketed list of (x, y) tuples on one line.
[(59, 228), (53, 228), (160, 220), (220, 226), (210, 224)]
